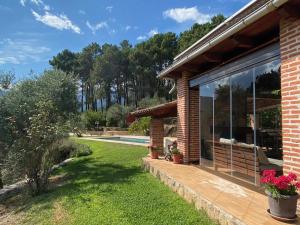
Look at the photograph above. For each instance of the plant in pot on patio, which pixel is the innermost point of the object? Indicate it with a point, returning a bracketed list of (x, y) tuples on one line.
[(154, 151), (282, 194), (177, 156)]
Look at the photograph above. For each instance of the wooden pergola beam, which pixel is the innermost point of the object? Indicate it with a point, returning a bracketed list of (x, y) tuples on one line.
[(243, 42), (212, 57)]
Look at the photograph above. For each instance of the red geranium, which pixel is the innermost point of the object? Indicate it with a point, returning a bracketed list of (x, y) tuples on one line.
[(282, 185)]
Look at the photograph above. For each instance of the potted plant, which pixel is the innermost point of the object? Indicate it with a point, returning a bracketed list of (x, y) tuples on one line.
[(154, 151), (177, 156), (282, 194)]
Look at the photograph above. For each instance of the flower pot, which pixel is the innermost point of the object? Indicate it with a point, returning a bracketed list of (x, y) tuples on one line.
[(284, 207), (177, 158), (154, 154)]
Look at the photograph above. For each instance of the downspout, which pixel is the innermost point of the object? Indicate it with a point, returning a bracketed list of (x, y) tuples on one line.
[(173, 88), (267, 8)]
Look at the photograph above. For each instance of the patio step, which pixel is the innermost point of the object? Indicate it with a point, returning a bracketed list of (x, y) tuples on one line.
[(226, 202)]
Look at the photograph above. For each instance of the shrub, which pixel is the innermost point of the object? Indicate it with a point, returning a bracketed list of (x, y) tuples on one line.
[(81, 150), (90, 118), (148, 102), (69, 149), (140, 127), (115, 116)]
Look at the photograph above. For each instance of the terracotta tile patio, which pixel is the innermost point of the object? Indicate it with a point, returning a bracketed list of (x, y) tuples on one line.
[(227, 202)]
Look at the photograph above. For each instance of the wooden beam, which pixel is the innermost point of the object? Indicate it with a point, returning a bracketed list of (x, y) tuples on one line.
[(190, 68), (212, 57), (289, 10), (243, 42)]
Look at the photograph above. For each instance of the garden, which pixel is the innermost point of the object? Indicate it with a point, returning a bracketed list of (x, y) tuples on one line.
[(107, 187)]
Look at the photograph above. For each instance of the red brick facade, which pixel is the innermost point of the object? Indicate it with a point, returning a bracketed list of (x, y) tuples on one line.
[(194, 138), (182, 115), (290, 91), (187, 120), (157, 132)]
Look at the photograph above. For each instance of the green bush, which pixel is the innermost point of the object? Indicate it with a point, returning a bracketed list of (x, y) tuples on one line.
[(140, 127), (116, 116), (81, 150), (148, 102), (69, 149), (90, 118)]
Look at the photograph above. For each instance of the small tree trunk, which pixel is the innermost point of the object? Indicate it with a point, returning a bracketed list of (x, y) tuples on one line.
[(1, 181), (101, 104), (82, 92)]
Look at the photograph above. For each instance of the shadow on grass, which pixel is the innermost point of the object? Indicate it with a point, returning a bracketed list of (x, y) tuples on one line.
[(81, 177)]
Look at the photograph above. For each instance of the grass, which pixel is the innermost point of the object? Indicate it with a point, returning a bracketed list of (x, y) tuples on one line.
[(109, 187)]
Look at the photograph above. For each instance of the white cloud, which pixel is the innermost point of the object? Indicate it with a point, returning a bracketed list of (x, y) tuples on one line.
[(109, 8), (97, 26), (36, 2), (128, 27), (141, 38), (47, 8), (181, 15), (21, 51), (22, 2), (60, 22), (82, 12), (152, 32)]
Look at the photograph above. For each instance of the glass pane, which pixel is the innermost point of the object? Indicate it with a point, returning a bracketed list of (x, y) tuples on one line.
[(206, 124), (268, 116), (222, 136), (243, 152)]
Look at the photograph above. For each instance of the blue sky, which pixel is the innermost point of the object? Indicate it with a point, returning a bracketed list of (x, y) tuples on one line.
[(32, 31)]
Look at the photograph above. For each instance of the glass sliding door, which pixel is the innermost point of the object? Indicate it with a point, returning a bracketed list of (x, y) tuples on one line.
[(207, 124), (240, 122), (268, 116), (222, 132), (244, 162)]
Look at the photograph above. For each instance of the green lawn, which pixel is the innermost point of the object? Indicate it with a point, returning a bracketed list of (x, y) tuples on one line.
[(109, 187)]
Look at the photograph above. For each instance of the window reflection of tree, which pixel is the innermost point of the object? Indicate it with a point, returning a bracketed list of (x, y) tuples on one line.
[(268, 111)]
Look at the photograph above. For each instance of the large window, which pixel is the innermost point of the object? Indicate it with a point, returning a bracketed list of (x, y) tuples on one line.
[(240, 121)]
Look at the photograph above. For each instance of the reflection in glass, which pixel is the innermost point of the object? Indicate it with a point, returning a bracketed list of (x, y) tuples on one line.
[(243, 151), (240, 122), (206, 124), (222, 134), (268, 116)]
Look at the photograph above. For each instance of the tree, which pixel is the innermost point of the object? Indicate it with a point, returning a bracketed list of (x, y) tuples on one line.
[(6, 80), (65, 61), (86, 60), (197, 31), (36, 116)]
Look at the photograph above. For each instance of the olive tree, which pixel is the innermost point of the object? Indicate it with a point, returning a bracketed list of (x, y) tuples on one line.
[(37, 114)]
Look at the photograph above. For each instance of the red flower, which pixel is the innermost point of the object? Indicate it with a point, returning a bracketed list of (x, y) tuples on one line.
[(268, 180), (292, 177), (267, 173), (282, 182)]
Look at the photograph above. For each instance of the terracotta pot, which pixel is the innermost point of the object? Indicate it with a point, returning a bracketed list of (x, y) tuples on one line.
[(154, 154), (284, 207), (177, 158)]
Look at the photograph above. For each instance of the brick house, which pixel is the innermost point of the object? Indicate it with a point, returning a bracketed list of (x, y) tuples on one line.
[(238, 94)]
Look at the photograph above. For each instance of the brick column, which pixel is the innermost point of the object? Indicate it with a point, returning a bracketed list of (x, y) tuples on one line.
[(290, 91), (182, 116), (157, 132), (194, 139)]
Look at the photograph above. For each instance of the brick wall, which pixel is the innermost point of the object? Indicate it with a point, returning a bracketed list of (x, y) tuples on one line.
[(157, 132), (187, 120), (182, 115), (290, 91), (194, 138)]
